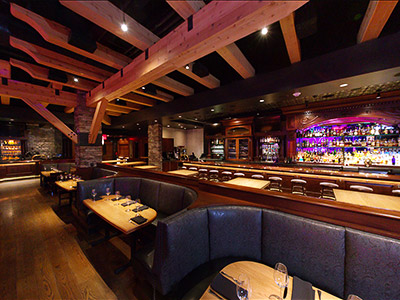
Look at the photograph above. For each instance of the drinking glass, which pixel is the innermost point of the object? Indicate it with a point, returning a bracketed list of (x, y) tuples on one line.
[(128, 197), (94, 193), (353, 297), (117, 195), (243, 287), (281, 278), (108, 192)]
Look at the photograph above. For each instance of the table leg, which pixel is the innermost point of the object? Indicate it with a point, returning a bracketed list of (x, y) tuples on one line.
[(133, 239)]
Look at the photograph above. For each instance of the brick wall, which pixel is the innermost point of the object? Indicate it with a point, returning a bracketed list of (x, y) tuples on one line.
[(155, 145), (44, 139)]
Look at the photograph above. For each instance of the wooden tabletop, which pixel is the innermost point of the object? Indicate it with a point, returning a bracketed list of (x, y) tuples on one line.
[(115, 214), (111, 161), (48, 173), (261, 281), (68, 185), (249, 182), (184, 172), (368, 199), (146, 167)]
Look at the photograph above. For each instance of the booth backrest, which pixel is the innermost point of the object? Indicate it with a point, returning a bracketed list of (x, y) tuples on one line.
[(100, 173), (337, 259), (65, 167)]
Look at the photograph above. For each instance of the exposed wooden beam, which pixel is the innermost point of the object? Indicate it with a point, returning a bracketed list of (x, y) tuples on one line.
[(108, 16), (59, 61), (56, 122), (174, 86), (209, 81), (121, 109), (58, 34), (44, 104), (22, 90), (106, 119), (112, 113), (42, 73), (97, 119), (231, 21), (5, 100), (159, 95), (69, 110), (138, 99), (291, 39), (5, 69), (378, 12), (231, 53)]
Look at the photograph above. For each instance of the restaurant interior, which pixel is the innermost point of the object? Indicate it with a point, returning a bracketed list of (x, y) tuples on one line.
[(200, 149)]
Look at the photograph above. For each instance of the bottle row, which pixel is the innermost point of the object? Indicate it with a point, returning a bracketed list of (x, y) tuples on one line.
[(369, 141), (348, 130)]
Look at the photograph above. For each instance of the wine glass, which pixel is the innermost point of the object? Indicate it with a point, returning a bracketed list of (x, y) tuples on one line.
[(281, 278), (117, 195), (128, 197), (353, 297), (94, 193), (243, 287), (108, 192)]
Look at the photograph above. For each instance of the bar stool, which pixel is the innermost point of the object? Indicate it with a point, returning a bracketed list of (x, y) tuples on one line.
[(257, 176), (238, 175), (327, 190), (203, 174), (299, 186), (361, 188), (226, 175), (396, 193), (192, 169), (213, 175), (275, 183), (183, 167)]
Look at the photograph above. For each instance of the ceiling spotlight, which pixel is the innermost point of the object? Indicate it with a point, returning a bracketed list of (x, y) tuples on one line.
[(123, 126), (180, 116), (343, 85), (117, 99), (262, 100), (216, 124), (168, 125), (137, 124), (140, 128), (155, 121), (195, 119), (296, 94), (195, 127), (264, 31), (212, 109), (187, 67), (184, 128), (12, 120), (124, 27), (76, 79), (143, 87)]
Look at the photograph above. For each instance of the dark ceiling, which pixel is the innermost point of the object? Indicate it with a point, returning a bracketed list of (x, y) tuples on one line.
[(322, 27)]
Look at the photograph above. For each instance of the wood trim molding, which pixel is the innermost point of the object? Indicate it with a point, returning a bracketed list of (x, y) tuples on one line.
[(58, 34), (378, 12), (97, 119), (174, 86), (56, 122), (60, 62), (291, 39), (232, 20), (209, 81)]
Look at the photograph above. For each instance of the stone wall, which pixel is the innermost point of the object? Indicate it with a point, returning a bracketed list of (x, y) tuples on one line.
[(155, 145), (44, 139)]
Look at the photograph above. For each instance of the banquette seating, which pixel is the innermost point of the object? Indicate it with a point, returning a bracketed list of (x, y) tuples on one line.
[(65, 167), (192, 246), (165, 198)]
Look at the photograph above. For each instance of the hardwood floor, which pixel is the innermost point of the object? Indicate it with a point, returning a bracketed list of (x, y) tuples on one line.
[(41, 257)]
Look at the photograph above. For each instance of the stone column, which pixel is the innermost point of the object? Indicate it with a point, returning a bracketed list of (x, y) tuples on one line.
[(86, 155), (155, 145)]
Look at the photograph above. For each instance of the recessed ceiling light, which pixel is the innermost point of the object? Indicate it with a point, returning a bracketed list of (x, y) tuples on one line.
[(216, 124), (155, 121), (117, 99), (179, 124), (212, 109), (262, 100), (180, 116), (168, 125), (76, 79), (343, 85), (184, 128), (137, 124), (195, 119), (124, 27), (123, 126), (258, 114), (140, 128), (12, 120), (296, 94), (264, 31), (187, 67), (143, 87), (195, 127)]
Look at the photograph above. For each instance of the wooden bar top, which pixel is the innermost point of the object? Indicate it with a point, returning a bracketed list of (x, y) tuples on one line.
[(184, 172), (368, 199), (146, 167), (249, 182), (261, 278)]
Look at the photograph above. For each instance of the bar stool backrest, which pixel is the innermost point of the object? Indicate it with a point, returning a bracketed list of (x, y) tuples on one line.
[(193, 169), (184, 167), (226, 173), (329, 185), (239, 175), (257, 176), (275, 178)]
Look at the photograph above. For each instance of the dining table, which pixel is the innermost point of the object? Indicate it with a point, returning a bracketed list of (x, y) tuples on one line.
[(67, 187), (262, 284), (249, 182)]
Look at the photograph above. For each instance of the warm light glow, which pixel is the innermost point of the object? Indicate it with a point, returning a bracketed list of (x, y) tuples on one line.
[(168, 125), (195, 127), (264, 31), (124, 27), (76, 79), (180, 116), (187, 67), (216, 124), (143, 87), (212, 109), (296, 94), (262, 100), (343, 85)]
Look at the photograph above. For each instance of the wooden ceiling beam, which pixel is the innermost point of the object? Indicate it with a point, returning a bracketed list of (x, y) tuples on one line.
[(121, 109), (232, 20), (174, 86), (291, 40), (106, 15), (5, 69), (378, 12), (138, 99), (159, 95), (22, 90), (69, 110), (58, 34), (112, 113), (51, 118), (42, 73), (60, 62), (5, 100), (209, 81), (106, 119), (97, 119), (231, 53)]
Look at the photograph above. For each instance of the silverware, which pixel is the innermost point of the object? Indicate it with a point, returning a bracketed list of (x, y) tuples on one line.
[(319, 294), (215, 294), (230, 277)]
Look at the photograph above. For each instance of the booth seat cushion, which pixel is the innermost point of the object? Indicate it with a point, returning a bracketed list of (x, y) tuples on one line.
[(311, 250), (372, 266), (149, 191), (128, 186), (181, 245), (85, 189), (170, 198), (235, 232)]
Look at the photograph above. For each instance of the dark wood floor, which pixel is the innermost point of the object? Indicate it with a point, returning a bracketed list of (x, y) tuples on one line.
[(43, 257)]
